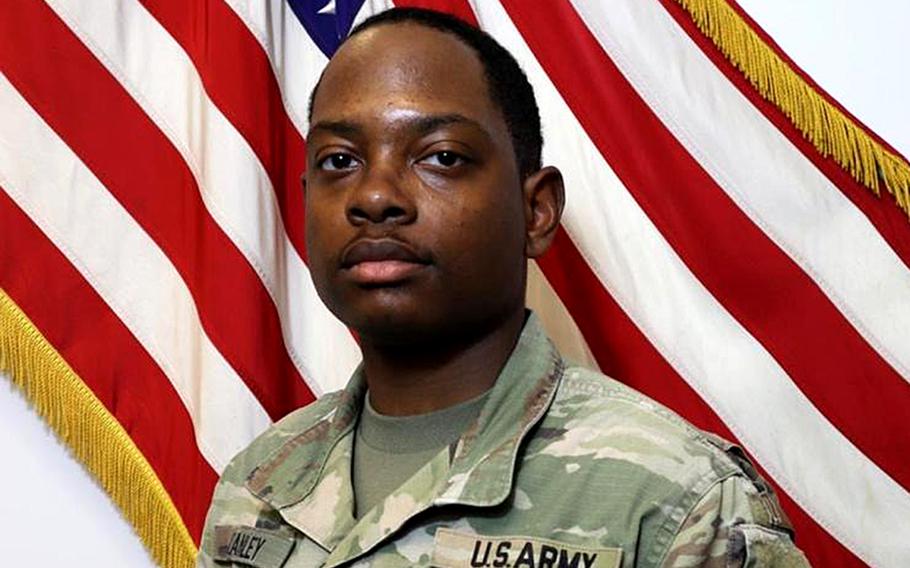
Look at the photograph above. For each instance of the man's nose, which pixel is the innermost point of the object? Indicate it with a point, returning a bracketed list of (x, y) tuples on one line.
[(381, 197)]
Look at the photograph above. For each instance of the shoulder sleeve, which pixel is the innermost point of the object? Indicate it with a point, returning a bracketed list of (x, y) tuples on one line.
[(735, 524)]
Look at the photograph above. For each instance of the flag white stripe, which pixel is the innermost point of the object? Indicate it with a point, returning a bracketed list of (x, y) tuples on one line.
[(231, 179), (817, 466), (296, 61), (133, 276), (780, 190), (546, 303), (371, 7)]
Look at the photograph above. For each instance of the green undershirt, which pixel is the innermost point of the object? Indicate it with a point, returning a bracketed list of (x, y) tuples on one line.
[(388, 450)]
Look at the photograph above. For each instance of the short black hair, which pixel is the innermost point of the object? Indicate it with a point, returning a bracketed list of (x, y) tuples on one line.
[(509, 88)]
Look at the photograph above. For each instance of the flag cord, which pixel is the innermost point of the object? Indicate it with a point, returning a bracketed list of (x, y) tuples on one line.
[(831, 131), (95, 437)]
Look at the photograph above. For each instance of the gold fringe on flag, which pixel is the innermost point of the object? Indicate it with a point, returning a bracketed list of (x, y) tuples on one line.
[(95, 437), (832, 132)]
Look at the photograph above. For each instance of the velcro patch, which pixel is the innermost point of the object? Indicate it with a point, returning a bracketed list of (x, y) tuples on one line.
[(453, 549), (251, 546)]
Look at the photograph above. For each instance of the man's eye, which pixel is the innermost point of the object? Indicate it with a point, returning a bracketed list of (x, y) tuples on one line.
[(337, 162), (444, 159)]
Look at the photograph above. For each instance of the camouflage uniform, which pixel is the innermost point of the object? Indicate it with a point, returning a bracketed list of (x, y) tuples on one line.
[(563, 468)]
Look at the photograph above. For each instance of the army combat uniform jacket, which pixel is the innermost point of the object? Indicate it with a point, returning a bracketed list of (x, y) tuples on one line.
[(562, 468)]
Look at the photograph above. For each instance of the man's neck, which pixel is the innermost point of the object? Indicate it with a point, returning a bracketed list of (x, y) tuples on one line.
[(415, 379)]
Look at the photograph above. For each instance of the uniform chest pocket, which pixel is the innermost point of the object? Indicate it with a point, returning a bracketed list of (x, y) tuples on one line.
[(456, 549)]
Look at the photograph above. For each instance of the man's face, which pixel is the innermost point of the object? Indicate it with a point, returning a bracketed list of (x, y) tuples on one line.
[(415, 216)]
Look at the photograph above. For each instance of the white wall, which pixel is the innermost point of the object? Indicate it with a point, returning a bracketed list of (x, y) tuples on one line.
[(856, 50), (53, 514)]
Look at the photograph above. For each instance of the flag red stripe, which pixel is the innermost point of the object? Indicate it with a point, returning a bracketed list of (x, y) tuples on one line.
[(755, 281), (86, 106), (106, 356), (624, 353), (887, 218), (819, 547), (239, 80)]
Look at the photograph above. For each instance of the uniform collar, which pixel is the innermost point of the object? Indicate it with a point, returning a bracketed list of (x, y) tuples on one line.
[(482, 468), (480, 472), (290, 473)]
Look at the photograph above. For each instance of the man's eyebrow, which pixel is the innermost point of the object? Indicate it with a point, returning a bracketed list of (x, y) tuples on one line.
[(421, 124)]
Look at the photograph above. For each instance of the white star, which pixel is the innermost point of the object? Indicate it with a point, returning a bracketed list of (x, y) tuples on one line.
[(329, 8)]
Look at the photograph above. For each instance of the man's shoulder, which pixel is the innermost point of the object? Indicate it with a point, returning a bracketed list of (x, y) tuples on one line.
[(598, 417), (278, 435), (629, 464)]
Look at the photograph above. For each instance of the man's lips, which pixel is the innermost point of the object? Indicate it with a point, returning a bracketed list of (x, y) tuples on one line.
[(378, 262)]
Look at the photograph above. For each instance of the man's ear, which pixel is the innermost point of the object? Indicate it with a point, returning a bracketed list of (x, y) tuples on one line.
[(544, 198)]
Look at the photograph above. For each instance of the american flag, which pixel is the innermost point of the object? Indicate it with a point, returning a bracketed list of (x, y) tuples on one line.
[(711, 256)]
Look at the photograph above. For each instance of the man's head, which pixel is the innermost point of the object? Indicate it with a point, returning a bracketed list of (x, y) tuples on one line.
[(508, 85), (419, 214)]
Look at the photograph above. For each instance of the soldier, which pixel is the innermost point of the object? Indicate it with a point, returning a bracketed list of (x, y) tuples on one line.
[(464, 439)]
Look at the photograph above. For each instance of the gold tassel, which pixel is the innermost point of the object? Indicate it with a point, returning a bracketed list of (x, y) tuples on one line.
[(831, 132), (95, 437)]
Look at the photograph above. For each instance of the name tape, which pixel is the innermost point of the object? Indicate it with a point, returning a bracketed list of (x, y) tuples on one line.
[(251, 546)]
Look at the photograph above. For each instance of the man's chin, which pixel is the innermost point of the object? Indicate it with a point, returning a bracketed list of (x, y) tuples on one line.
[(400, 317)]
